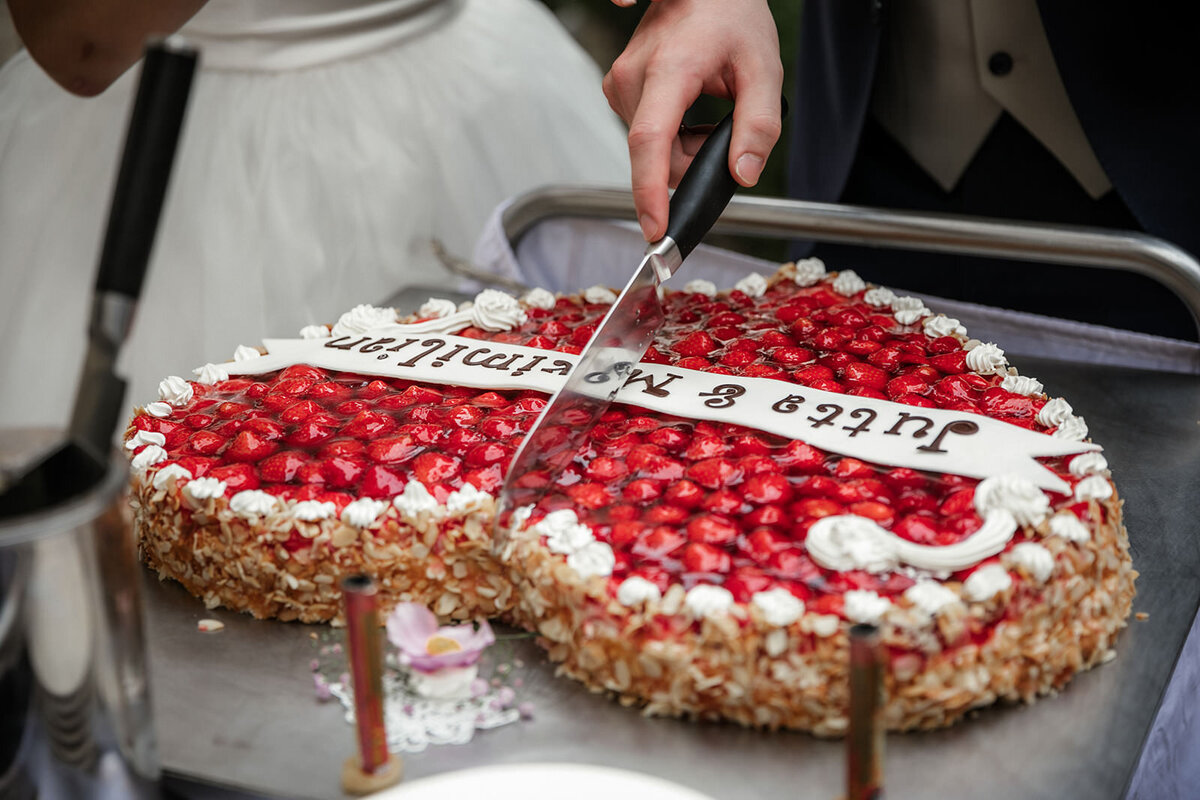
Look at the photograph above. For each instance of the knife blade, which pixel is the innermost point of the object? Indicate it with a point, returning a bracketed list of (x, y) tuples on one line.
[(622, 337)]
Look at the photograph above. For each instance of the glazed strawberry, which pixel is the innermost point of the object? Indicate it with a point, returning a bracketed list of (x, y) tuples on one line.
[(1000, 402), (684, 494), (713, 473), (769, 488), (237, 477), (590, 495), (705, 558), (865, 375), (659, 542), (951, 363), (764, 515), (488, 453), (920, 528), (205, 443), (663, 514), (250, 446), (695, 344), (342, 471), (642, 490), (430, 468)]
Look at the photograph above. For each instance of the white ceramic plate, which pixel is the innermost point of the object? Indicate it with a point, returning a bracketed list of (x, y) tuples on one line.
[(541, 782)]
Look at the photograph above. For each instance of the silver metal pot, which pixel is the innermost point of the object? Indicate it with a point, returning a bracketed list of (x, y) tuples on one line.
[(75, 714)]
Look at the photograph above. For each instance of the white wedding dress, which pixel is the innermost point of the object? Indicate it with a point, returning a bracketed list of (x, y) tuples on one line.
[(326, 143)]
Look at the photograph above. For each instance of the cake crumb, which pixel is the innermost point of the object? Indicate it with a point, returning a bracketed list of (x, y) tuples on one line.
[(209, 625), (1141, 616)]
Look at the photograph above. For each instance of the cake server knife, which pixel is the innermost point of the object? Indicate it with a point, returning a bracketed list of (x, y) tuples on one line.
[(624, 334)]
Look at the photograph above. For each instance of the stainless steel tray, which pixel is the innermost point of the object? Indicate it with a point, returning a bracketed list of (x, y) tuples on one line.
[(238, 709)]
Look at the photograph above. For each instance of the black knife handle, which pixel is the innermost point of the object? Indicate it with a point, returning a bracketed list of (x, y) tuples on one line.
[(703, 191), (706, 188), (150, 142)]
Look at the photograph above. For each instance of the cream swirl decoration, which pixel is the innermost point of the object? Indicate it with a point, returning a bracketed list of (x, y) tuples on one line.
[(171, 473), (845, 542), (848, 283), (1035, 559), (601, 295), (175, 390), (141, 437), (805, 272), (152, 454), (466, 500), (436, 308), (245, 353), (753, 285), (315, 332), (879, 297), (778, 606), (931, 598), (1086, 464), (1022, 385), (312, 510), (701, 286), (415, 500), (362, 512), (158, 409), (253, 503), (491, 310), (908, 310), (706, 600), (987, 359), (565, 535), (1073, 429), (636, 590), (363, 318), (941, 325), (865, 606), (202, 489), (210, 374), (539, 298), (1027, 504), (1093, 487), (1066, 525), (1055, 413), (986, 582)]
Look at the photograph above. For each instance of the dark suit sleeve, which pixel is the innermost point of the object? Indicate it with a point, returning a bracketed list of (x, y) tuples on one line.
[(1131, 72), (835, 67)]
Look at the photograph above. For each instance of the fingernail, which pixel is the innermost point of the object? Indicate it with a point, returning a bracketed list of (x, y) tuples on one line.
[(649, 227), (748, 168), (626, 3)]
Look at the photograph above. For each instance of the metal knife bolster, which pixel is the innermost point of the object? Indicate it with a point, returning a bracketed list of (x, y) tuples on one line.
[(665, 257)]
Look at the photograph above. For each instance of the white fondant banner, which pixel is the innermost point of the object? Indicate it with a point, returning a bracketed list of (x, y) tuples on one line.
[(880, 431)]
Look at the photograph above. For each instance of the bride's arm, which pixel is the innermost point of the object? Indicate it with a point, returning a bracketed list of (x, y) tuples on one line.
[(85, 45)]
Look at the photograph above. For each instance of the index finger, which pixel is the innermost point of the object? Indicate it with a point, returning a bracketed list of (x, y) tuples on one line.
[(652, 131)]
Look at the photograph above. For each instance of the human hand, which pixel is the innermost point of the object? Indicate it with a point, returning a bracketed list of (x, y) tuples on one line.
[(680, 50)]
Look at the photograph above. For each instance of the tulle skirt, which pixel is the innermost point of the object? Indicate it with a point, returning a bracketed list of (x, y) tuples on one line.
[(297, 193)]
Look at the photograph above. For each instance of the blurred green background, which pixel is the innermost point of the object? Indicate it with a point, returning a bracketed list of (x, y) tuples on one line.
[(603, 28)]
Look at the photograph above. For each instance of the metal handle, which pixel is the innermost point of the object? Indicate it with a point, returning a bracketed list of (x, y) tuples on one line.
[(776, 217)]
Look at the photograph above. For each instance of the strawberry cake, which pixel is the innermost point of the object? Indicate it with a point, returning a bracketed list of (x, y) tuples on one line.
[(794, 456)]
